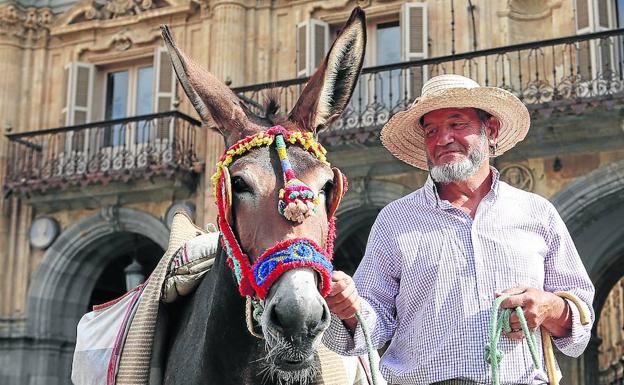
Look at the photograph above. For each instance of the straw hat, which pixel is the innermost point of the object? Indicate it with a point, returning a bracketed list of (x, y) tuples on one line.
[(403, 136)]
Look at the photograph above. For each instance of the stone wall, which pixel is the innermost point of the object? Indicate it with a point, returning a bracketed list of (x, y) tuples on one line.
[(242, 42)]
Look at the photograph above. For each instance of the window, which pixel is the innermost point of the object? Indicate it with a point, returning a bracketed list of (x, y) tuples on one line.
[(391, 39), (116, 102), (388, 44), (312, 46), (129, 92), (597, 58), (116, 91)]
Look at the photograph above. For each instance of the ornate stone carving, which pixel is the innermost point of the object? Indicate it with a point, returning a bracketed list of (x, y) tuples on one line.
[(111, 215), (529, 9), (359, 186), (121, 41), (518, 176), (127, 7), (18, 21), (91, 10)]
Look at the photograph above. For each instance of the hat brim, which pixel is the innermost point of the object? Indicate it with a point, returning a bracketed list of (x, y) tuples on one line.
[(404, 138)]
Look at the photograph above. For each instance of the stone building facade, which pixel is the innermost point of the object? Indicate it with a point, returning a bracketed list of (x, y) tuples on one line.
[(99, 144)]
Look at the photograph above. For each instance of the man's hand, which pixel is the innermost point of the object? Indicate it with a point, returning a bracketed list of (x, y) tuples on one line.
[(541, 308), (343, 299)]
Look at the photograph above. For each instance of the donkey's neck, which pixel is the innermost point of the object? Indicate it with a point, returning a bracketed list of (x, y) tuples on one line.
[(211, 344), (231, 352)]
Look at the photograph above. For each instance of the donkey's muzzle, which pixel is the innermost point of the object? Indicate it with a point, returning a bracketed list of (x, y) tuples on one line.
[(291, 254)]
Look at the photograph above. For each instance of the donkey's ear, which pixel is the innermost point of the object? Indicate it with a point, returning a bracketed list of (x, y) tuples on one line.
[(328, 91), (212, 99)]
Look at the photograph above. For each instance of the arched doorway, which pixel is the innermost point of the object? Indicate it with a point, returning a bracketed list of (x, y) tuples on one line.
[(356, 226), (79, 269), (593, 209), (356, 216), (111, 282)]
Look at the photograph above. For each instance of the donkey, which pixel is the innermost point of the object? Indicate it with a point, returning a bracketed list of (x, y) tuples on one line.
[(209, 341)]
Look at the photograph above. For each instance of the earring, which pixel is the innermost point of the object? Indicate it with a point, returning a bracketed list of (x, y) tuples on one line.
[(493, 149)]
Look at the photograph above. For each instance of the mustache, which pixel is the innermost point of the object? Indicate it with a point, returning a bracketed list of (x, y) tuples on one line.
[(451, 147)]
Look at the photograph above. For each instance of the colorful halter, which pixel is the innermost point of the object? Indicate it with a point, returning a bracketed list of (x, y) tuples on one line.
[(296, 202)]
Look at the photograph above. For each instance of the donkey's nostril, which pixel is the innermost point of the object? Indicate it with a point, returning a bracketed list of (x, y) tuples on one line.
[(275, 319), (316, 328)]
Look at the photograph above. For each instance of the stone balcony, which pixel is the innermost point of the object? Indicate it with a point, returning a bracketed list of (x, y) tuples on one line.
[(142, 148)]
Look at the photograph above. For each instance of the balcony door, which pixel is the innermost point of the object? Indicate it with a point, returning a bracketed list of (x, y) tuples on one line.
[(129, 92), (392, 39), (388, 51), (113, 91), (598, 60)]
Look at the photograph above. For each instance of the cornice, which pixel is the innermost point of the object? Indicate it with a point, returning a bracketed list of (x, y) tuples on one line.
[(89, 15), (340, 12)]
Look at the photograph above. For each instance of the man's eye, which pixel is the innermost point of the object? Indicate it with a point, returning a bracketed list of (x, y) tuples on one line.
[(459, 125)]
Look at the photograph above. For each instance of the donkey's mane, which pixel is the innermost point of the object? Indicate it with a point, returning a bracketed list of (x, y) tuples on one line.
[(271, 105)]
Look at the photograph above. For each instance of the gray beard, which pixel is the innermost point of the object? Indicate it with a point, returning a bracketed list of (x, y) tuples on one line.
[(458, 171)]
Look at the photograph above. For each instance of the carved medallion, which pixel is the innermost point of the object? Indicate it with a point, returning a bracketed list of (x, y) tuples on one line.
[(43, 231), (518, 176)]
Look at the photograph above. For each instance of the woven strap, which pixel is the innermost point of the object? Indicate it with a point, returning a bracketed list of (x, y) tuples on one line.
[(134, 366), (333, 371)]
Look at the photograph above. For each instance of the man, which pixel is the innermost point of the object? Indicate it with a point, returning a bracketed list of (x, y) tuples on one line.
[(437, 258)]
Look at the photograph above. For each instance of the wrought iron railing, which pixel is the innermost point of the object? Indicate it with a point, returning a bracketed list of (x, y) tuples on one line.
[(121, 149), (543, 74)]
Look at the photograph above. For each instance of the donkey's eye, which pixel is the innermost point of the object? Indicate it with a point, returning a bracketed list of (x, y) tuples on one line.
[(240, 186), (327, 188)]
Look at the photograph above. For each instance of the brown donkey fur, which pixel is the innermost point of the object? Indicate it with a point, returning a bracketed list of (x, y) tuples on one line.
[(209, 342)]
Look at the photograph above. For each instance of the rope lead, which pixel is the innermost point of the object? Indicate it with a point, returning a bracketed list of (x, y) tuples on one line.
[(372, 359), (493, 356)]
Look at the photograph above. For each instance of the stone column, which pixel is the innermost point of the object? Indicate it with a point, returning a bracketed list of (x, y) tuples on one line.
[(23, 32), (227, 62), (227, 43), (11, 53)]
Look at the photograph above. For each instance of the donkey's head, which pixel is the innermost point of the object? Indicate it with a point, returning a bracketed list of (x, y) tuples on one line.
[(277, 196)]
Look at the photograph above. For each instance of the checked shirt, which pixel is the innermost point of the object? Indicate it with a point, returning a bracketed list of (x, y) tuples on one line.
[(429, 277)]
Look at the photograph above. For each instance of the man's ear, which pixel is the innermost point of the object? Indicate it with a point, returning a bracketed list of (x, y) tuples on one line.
[(492, 129)]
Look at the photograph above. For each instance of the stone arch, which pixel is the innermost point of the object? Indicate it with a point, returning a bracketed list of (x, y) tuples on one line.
[(593, 209), (357, 212), (59, 290)]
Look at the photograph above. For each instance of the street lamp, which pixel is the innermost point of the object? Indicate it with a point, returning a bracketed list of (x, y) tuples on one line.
[(134, 275)]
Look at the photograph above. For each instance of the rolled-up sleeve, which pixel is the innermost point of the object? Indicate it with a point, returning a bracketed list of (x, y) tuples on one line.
[(564, 271), (377, 282)]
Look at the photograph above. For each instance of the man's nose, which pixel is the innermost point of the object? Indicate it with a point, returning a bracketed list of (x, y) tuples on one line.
[(445, 136)]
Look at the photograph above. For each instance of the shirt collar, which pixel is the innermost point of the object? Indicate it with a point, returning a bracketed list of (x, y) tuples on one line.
[(432, 196)]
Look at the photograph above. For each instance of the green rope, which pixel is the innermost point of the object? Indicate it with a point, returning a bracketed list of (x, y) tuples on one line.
[(257, 309), (493, 356), (372, 358)]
